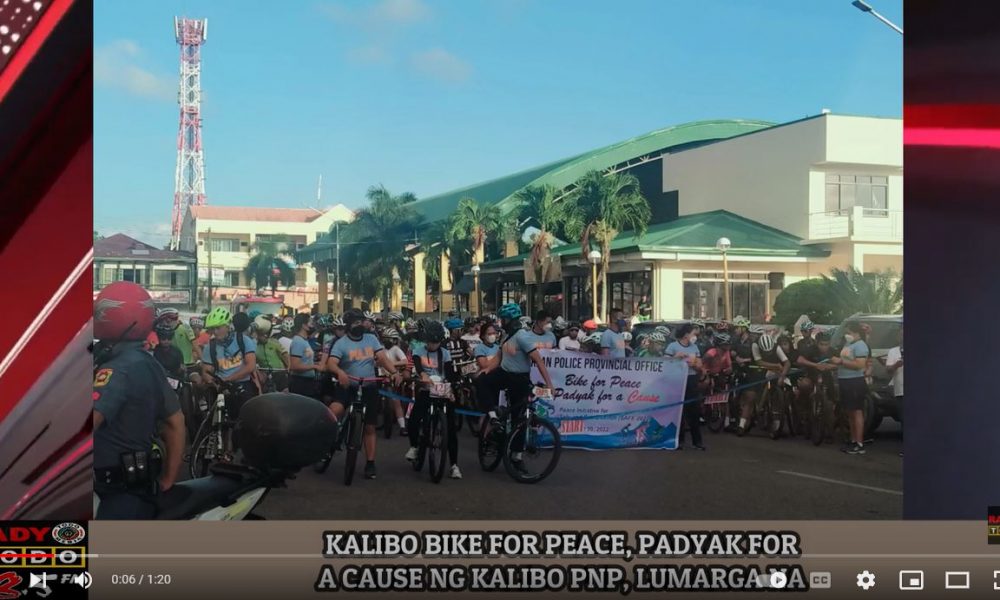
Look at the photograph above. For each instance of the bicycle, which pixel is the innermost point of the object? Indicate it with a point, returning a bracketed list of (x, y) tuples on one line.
[(465, 393), (497, 437), (823, 410), (351, 431), (432, 437), (267, 379), (213, 442), (189, 407), (716, 408), (770, 408)]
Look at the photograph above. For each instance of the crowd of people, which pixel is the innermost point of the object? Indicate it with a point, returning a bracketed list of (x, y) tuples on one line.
[(328, 357)]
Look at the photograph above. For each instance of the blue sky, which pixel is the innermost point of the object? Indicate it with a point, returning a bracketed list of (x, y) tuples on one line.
[(430, 95)]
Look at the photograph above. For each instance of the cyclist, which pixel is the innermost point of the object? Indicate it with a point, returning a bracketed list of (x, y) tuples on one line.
[(165, 353), (515, 358), (455, 344), (434, 360), (571, 340), (287, 333), (742, 343), (270, 354), (656, 345), (591, 343), (471, 337), (303, 378), (355, 355), (718, 360), (700, 336), (390, 339), (770, 362), (200, 335), (612, 342), (369, 321), (684, 347), (486, 381), (852, 362), (229, 355), (132, 404)]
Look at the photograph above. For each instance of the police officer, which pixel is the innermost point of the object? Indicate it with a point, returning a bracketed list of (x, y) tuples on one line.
[(132, 404)]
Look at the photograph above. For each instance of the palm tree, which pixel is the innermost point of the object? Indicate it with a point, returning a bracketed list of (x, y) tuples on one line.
[(268, 267), (875, 293), (601, 206), (436, 241), (474, 221), (371, 248), (540, 206)]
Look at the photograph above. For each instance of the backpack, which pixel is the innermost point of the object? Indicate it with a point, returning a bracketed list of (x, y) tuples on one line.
[(214, 356)]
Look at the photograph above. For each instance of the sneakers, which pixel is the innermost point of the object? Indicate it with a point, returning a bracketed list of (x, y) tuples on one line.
[(370, 470), (699, 447), (456, 473), (403, 431), (411, 454), (853, 449)]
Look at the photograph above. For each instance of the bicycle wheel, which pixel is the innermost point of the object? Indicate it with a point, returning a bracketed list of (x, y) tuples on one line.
[(715, 417), (437, 452), (324, 464), (204, 454), (775, 415), (353, 445), (490, 445), (542, 447)]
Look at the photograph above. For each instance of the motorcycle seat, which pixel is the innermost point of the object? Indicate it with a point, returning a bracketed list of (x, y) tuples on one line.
[(188, 498)]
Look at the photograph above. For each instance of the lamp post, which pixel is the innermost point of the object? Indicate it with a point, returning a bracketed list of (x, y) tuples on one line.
[(723, 244), (594, 257), (865, 7), (396, 282), (479, 299)]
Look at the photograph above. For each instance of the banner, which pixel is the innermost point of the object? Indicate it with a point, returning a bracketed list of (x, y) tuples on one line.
[(170, 296), (602, 402), (218, 275)]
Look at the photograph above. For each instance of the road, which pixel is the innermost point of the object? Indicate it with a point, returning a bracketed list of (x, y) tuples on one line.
[(736, 478)]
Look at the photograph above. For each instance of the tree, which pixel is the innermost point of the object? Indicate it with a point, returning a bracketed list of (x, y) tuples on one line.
[(97, 236), (807, 297), (268, 268), (875, 293), (601, 206), (436, 240), (373, 245), (475, 221), (540, 206)]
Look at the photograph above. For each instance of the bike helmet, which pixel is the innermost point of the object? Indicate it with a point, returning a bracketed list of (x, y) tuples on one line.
[(369, 316), (390, 333), (593, 338), (338, 323), (722, 326), (525, 322), (453, 323), (807, 326), (288, 324), (663, 329), (262, 324), (196, 323), (241, 322), (657, 338), (626, 336), (253, 314), (766, 343), (434, 332), (510, 311), (699, 323), (756, 329), (395, 315), (741, 321), (218, 317), (559, 324), (722, 339), (324, 322), (167, 314)]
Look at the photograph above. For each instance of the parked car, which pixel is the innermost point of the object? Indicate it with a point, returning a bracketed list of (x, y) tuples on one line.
[(884, 336)]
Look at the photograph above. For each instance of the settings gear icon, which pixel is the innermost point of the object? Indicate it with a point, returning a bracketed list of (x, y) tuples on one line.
[(866, 580)]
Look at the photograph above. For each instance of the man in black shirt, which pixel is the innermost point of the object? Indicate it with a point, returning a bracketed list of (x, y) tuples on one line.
[(168, 355)]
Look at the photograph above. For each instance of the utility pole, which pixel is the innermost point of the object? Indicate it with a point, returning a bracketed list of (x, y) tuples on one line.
[(209, 242), (336, 281)]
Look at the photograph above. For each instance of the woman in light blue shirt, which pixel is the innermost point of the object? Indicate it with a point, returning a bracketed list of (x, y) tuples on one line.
[(851, 363)]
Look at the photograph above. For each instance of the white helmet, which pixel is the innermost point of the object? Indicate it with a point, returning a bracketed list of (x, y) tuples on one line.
[(766, 343), (262, 324)]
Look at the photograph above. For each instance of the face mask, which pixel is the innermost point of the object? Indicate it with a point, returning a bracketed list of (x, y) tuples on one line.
[(491, 339), (358, 331), (548, 327), (850, 339), (694, 339), (621, 323)]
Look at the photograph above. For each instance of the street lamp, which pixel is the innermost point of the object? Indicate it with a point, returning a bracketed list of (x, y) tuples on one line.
[(594, 257), (865, 7), (396, 281), (723, 245), (479, 299)]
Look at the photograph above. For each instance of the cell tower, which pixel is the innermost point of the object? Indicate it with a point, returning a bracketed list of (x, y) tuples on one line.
[(189, 182)]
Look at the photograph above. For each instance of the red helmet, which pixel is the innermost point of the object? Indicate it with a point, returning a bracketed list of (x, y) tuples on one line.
[(123, 311)]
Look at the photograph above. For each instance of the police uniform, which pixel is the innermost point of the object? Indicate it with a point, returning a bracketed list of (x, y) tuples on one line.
[(132, 394)]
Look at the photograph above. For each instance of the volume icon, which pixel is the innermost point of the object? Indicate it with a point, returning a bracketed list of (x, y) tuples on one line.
[(83, 580)]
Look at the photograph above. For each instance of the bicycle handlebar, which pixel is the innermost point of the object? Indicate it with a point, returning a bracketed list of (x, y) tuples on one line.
[(367, 379)]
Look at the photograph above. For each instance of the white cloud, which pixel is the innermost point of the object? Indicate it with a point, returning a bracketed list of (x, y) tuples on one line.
[(378, 14), (438, 63), (116, 65), (371, 54)]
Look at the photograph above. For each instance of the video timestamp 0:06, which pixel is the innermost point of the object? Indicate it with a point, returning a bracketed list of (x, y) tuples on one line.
[(140, 579)]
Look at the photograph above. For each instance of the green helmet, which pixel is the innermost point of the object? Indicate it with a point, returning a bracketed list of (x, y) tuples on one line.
[(218, 317)]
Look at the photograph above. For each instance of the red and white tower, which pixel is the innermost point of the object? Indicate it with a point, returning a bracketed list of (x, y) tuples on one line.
[(189, 182)]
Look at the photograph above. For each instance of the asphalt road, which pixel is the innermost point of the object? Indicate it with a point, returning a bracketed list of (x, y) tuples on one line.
[(736, 478)]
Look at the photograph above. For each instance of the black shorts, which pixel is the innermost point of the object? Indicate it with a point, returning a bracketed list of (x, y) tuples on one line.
[(370, 396), (304, 386), (517, 385), (248, 390), (487, 390), (853, 393)]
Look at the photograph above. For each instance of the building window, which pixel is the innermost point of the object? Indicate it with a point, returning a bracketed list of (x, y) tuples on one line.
[(225, 245), (627, 289), (133, 275), (703, 298), (232, 278), (844, 192)]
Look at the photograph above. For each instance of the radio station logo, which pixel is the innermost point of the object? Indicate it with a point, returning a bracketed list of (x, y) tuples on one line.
[(993, 525), (68, 533)]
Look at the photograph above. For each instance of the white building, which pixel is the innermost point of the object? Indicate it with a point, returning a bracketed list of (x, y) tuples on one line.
[(233, 231)]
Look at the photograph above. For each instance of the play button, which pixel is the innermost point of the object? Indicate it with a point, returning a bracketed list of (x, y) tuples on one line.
[(779, 580)]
